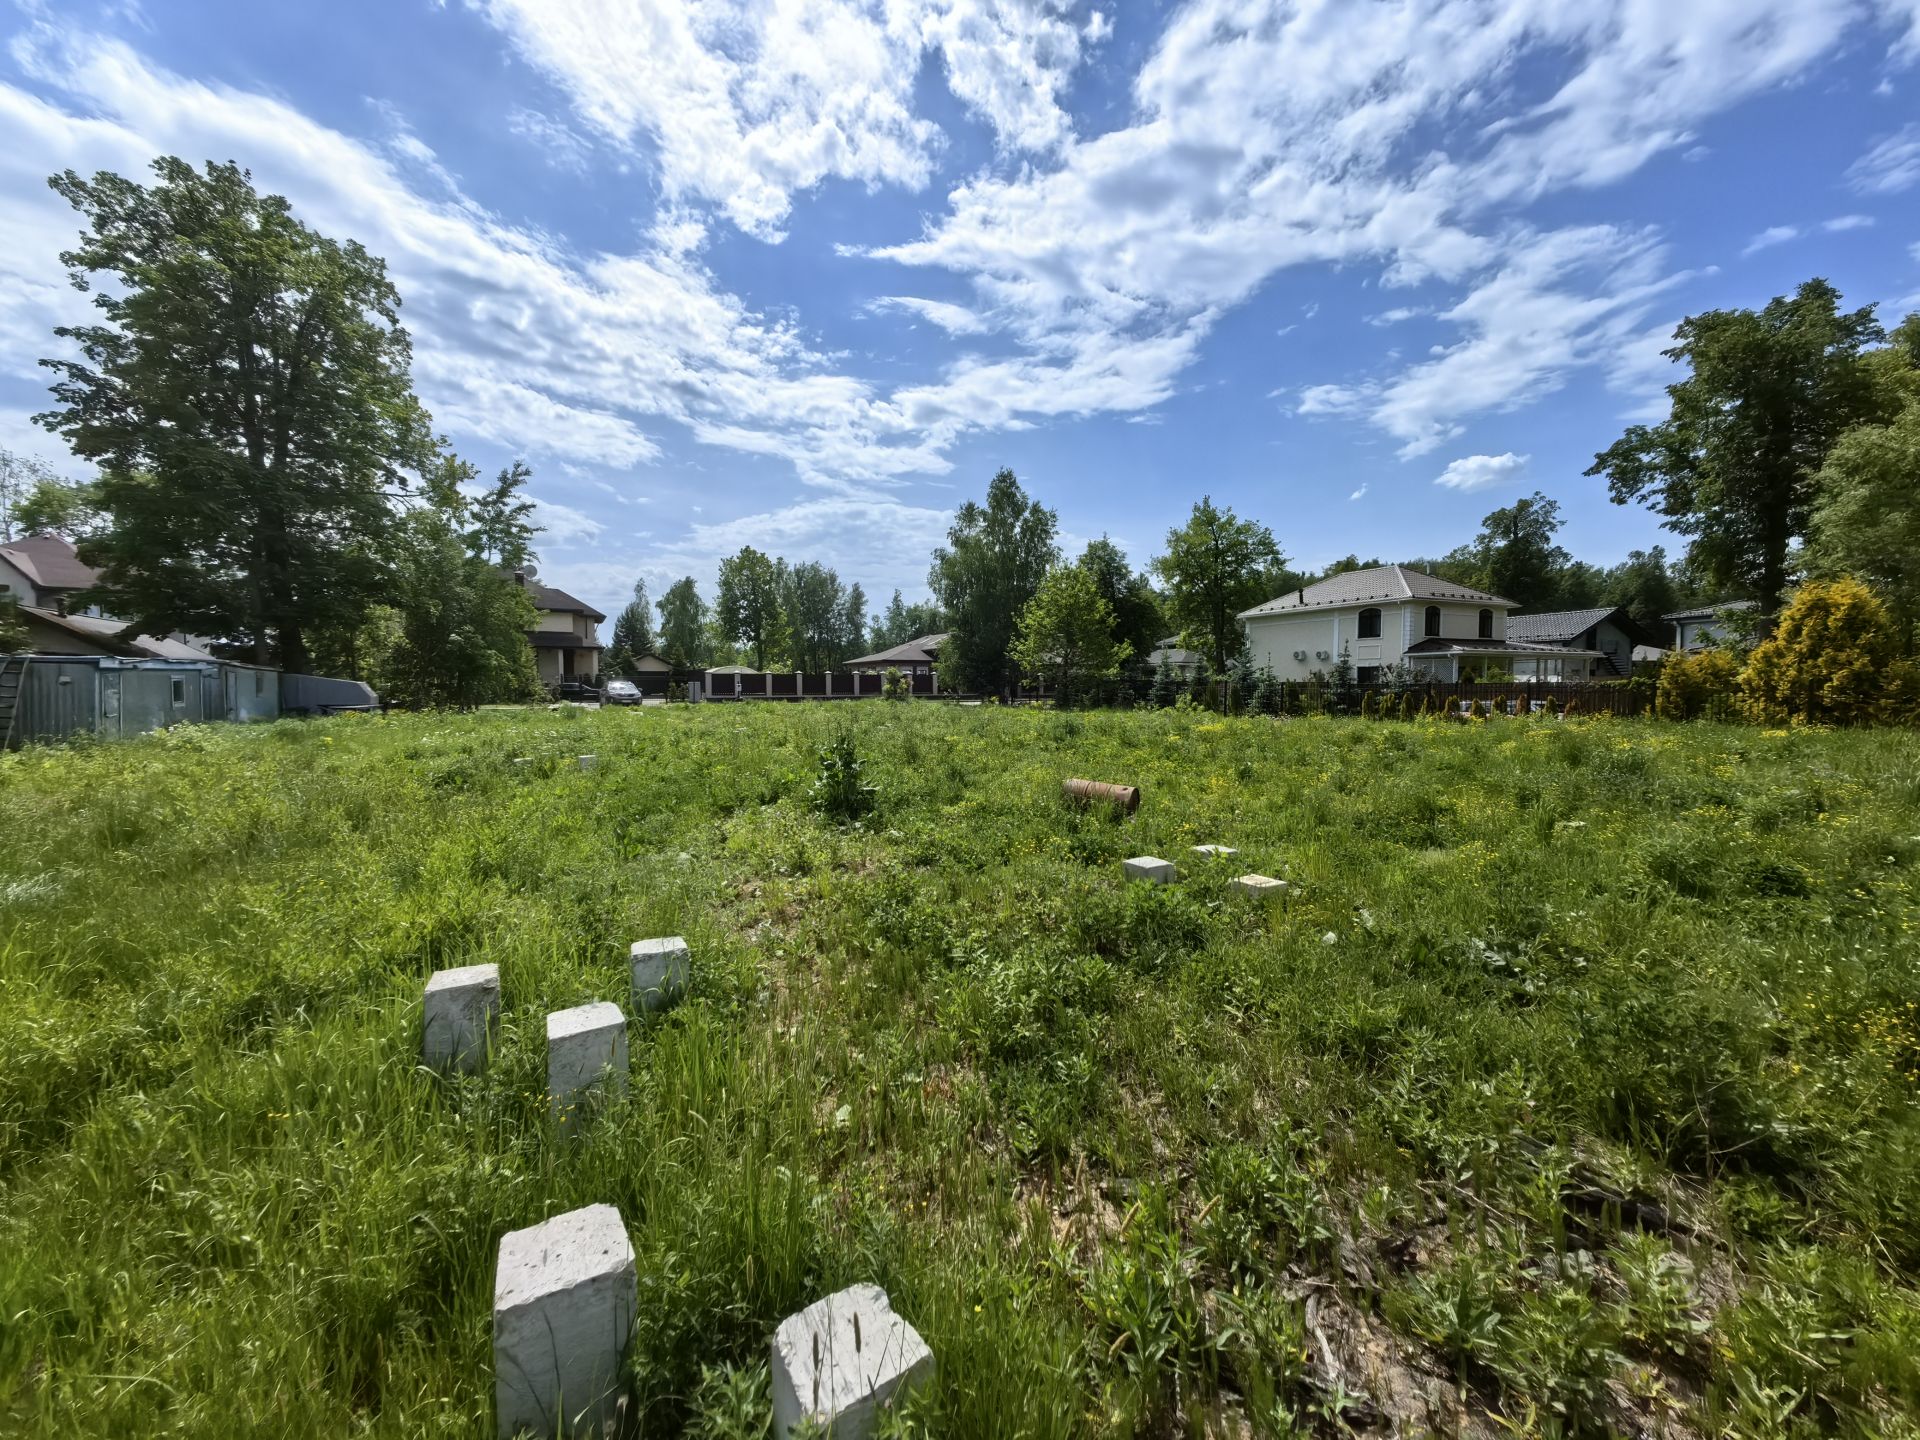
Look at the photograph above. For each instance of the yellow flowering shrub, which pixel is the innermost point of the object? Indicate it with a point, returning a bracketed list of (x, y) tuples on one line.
[(1833, 658)]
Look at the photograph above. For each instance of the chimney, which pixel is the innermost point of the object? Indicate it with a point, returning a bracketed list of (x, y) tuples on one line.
[(1302, 597), (520, 577)]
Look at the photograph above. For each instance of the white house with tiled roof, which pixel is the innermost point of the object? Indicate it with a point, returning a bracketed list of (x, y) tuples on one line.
[(1391, 615)]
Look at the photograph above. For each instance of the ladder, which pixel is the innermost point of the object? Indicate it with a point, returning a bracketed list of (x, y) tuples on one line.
[(13, 673)]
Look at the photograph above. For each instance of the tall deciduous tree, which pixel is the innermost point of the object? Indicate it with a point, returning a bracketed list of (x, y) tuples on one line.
[(1515, 556), (995, 557), (1216, 565), (503, 527), (1733, 464), (1867, 519), (748, 607), (814, 603), (683, 624), (1066, 633), (1137, 622), (247, 398), (852, 633)]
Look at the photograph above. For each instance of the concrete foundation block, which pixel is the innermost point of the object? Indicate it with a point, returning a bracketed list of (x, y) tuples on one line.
[(586, 1046), (1150, 868), (587, 762), (1261, 887), (841, 1360), (1215, 852), (660, 971), (564, 1298), (460, 1010)]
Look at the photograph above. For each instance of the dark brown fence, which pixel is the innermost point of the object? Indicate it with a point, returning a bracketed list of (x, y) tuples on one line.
[(1506, 698)]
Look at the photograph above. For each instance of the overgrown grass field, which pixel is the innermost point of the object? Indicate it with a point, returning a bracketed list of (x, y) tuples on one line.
[(1572, 1092)]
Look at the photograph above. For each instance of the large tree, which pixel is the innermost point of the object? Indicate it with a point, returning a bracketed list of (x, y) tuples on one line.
[(503, 527), (814, 603), (683, 625), (247, 398), (632, 631), (1733, 464), (1867, 519), (1066, 633), (995, 557), (748, 607), (1515, 557), (1137, 622), (1216, 565), (1645, 586)]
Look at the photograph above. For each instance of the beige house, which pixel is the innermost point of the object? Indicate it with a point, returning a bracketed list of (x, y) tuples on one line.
[(1392, 615), (566, 642)]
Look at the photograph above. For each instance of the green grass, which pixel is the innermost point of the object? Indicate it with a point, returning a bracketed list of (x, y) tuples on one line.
[(1575, 1088)]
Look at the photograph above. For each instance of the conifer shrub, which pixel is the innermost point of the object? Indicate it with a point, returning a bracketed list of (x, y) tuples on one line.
[(1832, 659)]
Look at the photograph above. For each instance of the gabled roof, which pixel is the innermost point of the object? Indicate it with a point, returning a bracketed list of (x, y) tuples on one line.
[(922, 650), (107, 633), (49, 562), (545, 597), (1553, 625), (1361, 587)]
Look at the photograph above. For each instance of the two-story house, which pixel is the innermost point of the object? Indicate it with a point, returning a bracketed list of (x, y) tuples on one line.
[(566, 642), (42, 571), (1392, 615)]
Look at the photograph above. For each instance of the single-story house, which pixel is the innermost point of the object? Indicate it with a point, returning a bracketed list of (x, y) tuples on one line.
[(1169, 654), (1391, 615), (1702, 626), (566, 644), (1614, 633), (42, 571), (918, 656)]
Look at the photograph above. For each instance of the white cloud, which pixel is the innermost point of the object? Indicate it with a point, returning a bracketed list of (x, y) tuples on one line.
[(562, 524), (1396, 316), (1770, 237), (1482, 472), (954, 319), (562, 148), (1840, 223), (1891, 166), (744, 105), (1359, 494)]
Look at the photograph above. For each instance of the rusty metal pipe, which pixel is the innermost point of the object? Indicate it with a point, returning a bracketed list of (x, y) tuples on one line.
[(1088, 792)]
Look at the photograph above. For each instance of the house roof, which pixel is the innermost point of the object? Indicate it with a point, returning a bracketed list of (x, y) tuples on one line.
[(1567, 624), (731, 670), (107, 633), (546, 597), (1174, 655), (1438, 645), (1707, 612), (921, 650), (49, 562), (557, 640), (1359, 587)]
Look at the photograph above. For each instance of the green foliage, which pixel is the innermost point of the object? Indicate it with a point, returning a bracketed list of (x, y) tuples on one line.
[(632, 634), (1216, 566), (1137, 622), (1833, 658), (1733, 465), (749, 605), (895, 684), (995, 557), (823, 621), (1066, 634), (502, 518), (901, 622), (243, 497), (683, 625), (840, 789), (1703, 683), (1515, 556), (1866, 521)]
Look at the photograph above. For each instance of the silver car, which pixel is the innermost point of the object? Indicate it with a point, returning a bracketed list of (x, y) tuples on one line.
[(620, 692)]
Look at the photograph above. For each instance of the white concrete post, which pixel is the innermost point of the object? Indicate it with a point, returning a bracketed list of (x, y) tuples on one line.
[(1150, 868), (1215, 852), (1261, 887), (565, 1293), (459, 1012), (585, 1045), (934, 675), (841, 1360), (829, 683), (660, 971)]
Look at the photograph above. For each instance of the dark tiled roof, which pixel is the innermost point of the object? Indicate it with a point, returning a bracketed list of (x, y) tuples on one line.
[(1555, 624), (922, 650), (1383, 582), (545, 597), (49, 562)]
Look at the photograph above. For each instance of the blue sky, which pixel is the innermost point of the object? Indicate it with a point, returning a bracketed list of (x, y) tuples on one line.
[(804, 273)]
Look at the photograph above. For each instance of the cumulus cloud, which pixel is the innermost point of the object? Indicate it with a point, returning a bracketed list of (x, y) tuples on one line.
[(1482, 472), (954, 319), (1841, 223)]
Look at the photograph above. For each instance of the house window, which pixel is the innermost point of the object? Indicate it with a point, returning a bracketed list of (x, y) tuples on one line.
[(1369, 624), (1486, 624), (259, 682), (1368, 674), (179, 690), (1433, 619)]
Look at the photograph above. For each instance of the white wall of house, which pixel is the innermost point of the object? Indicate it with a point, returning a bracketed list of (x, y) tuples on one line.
[(1274, 639), (15, 583)]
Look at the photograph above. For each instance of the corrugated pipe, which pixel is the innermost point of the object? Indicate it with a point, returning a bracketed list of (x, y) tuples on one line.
[(1088, 792)]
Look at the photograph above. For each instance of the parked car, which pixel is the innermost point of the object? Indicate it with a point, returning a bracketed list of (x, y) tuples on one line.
[(620, 692)]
